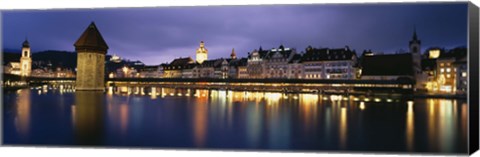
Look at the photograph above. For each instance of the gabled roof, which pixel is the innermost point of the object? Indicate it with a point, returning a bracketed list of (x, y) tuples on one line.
[(91, 39), (181, 61), (388, 65)]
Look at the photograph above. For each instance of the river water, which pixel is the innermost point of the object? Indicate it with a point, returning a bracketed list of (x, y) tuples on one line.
[(239, 120)]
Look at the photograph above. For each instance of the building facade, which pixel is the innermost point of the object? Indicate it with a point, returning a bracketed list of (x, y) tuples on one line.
[(329, 63), (255, 64), (276, 62)]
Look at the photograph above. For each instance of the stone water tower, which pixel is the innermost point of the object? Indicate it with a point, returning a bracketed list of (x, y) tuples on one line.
[(91, 50)]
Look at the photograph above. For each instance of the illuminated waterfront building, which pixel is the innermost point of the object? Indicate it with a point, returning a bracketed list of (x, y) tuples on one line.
[(176, 67), (202, 53), (12, 68), (255, 63), (461, 75), (329, 63), (91, 49), (154, 71), (238, 68), (26, 60), (295, 67), (446, 75), (276, 62)]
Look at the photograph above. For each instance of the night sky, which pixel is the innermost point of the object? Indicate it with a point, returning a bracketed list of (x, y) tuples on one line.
[(158, 35)]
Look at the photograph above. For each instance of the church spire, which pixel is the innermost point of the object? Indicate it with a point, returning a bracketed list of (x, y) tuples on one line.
[(233, 55)]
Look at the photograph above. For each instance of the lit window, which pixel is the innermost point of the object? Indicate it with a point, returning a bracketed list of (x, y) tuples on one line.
[(448, 75), (442, 70), (464, 74), (448, 70), (441, 64)]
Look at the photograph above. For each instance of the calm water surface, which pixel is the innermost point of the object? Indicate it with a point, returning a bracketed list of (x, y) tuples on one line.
[(215, 119)]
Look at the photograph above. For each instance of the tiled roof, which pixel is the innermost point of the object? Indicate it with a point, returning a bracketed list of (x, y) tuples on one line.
[(181, 61), (91, 39)]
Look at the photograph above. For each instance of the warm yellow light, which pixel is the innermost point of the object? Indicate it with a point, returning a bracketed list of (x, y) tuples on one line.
[(434, 53)]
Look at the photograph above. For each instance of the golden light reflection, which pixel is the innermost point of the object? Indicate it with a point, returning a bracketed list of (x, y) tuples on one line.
[(343, 128), (200, 124), (88, 117), (410, 127), (22, 119), (153, 94), (362, 105)]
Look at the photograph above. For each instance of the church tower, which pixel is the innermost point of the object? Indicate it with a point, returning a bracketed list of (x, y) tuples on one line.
[(26, 60), (91, 50), (202, 53), (415, 49), (233, 55)]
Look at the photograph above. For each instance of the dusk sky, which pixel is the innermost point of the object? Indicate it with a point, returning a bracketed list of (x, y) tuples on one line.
[(158, 35)]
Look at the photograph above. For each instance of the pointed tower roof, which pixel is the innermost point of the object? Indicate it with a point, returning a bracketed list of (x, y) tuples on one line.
[(233, 54), (91, 40), (415, 37), (26, 44)]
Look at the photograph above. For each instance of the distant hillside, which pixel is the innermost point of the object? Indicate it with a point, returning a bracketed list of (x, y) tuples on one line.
[(64, 59)]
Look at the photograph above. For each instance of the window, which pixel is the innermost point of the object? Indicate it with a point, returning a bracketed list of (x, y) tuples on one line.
[(442, 70), (448, 70), (464, 74), (448, 76)]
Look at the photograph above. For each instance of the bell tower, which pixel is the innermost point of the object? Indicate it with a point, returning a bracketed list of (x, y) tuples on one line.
[(415, 49), (26, 60), (91, 50), (202, 53)]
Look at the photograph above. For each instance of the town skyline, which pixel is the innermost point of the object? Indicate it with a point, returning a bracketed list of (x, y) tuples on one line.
[(163, 42)]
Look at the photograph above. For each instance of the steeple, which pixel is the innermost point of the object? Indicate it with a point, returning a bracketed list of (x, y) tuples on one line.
[(233, 55)]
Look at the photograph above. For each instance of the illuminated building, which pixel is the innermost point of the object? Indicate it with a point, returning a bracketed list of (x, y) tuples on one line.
[(115, 59), (276, 62), (175, 68), (295, 67), (255, 63), (446, 75), (329, 63), (461, 75), (26, 60), (12, 68), (155, 71), (434, 53), (202, 53), (238, 68), (91, 49)]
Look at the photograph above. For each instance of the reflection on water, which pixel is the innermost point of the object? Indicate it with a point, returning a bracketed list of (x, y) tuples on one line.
[(167, 117), (410, 127), (88, 117), (22, 118)]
